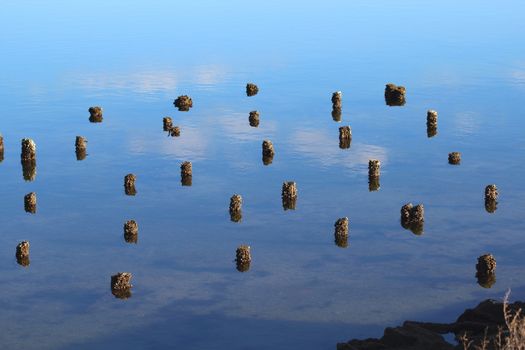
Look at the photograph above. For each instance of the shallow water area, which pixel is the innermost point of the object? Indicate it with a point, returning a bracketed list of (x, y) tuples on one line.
[(302, 290)]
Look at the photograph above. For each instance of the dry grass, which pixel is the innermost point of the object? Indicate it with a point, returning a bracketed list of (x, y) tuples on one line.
[(510, 337)]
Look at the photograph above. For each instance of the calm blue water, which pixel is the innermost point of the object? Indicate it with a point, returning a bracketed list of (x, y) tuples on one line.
[(133, 58)]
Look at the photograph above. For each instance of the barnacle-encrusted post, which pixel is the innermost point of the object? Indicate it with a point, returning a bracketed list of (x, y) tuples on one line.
[(22, 253), (374, 170), (267, 149), (95, 114), (167, 123), (254, 119), (235, 208), (413, 217), (186, 173), (80, 147), (183, 103), (486, 270), (491, 198), (30, 202), (454, 158), (121, 285), (251, 89), (28, 150), (432, 120), (345, 137), (243, 258), (337, 100), (395, 95), (129, 185), (289, 195), (131, 231), (341, 232), (174, 131)]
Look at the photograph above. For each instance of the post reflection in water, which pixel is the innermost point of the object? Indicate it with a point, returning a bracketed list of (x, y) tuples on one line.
[(29, 170)]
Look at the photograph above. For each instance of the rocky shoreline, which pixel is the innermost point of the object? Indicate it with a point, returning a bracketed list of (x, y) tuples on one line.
[(482, 322)]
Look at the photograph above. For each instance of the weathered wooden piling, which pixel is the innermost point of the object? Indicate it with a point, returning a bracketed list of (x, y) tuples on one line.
[(121, 285), (251, 89), (432, 117), (174, 131), (167, 123), (491, 192), (289, 195), (341, 232), (29, 170), (80, 147), (374, 168), (267, 149), (254, 119), (345, 137), (95, 114), (186, 173), (243, 258), (131, 231), (183, 103), (129, 185), (491, 198), (22, 253), (235, 208), (395, 95), (337, 100), (28, 149), (30, 203), (413, 217), (454, 158), (486, 270)]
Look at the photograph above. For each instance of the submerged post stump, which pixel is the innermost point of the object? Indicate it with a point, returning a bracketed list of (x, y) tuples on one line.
[(95, 114), (374, 171), (131, 231), (341, 232), (337, 100), (167, 123), (254, 119), (486, 270), (432, 118), (121, 285), (454, 158), (80, 147), (243, 258), (129, 185), (267, 149), (345, 137), (289, 195), (374, 168), (413, 218), (251, 89), (22, 253), (183, 103), (174, 131), (491, 198), (186, 173), (28, 149), (395, 95), (235, 208), (30, 203)]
